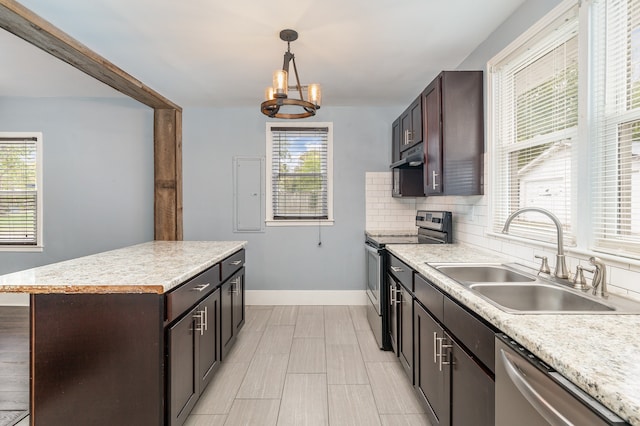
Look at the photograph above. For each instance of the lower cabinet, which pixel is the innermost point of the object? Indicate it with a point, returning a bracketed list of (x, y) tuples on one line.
[(203, 320), (452, 361), (431, 370), (405, 332), (232, 309), (194, 354)]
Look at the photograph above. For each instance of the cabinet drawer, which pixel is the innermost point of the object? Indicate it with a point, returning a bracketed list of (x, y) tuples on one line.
[(471, 332), (231, 264), (188, 294), (430, 297), (402, 272)]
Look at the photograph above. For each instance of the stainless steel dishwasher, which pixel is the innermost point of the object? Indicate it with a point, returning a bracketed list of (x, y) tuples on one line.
[(529, 392)]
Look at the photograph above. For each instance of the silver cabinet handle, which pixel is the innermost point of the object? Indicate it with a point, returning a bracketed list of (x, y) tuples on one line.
[(236, 262), (201, 287), (540, 404), (435, 347), (433, 180), (234, 286), (392, 293), (396, 269), (198, 316), (444, 345), (206, 318)]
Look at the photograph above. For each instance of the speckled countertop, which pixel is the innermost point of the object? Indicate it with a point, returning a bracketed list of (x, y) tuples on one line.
[(153, 267), (599, 353)]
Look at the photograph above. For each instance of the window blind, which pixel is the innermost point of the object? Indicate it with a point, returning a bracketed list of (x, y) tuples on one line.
[(535, 105), (615, 153), (18, 191), (299, 173)]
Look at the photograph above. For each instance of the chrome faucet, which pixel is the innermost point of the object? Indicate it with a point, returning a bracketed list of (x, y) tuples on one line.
[(599, 277), (561, 265)]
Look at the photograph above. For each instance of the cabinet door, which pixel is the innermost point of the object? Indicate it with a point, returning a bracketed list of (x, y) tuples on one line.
[(392, 287), (183, 387), (405, 351), (209, 339), (431, 376), (226, 317), (395, 141), (472, 391), (416, 120), (237, 294), (433, 144)]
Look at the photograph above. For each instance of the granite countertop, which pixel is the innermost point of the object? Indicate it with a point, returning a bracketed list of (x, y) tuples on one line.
[(152, 267), (599, 353)]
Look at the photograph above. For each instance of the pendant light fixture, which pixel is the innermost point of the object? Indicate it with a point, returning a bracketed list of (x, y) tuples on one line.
[(278, 104)]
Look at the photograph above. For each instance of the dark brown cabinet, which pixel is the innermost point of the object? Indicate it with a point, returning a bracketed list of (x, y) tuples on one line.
[(194, 355), (400, 279), (204, 318), (405, 325), (393, 288), (454, 134), (431, 371), (232, 308), (411, 125), (453, 360)]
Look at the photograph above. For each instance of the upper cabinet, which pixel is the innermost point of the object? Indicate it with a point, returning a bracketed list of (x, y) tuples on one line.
[(454, 134), (411, 125), (446, 122)]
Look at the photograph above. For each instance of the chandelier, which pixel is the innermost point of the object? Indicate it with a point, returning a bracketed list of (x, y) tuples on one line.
[(278, 104)]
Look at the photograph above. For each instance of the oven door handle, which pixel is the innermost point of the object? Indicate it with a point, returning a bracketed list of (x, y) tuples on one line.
[(536, 400)]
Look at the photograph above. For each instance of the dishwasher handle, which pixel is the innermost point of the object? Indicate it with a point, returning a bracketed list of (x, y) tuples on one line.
[(536, 400)]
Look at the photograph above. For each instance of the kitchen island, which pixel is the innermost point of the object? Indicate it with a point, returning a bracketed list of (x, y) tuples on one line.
[(597, 352), (105, 330)]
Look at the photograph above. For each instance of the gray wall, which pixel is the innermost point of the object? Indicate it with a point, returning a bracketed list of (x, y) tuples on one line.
[(98, 174), (285, 258)]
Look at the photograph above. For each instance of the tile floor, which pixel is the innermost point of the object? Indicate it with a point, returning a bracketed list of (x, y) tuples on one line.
[(307, 365)]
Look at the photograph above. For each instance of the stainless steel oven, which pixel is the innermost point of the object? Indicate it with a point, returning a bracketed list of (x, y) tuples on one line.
[(433, 227)]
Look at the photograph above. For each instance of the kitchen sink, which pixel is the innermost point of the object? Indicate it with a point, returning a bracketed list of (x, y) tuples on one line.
[(518, 289), (483, 273), (538, 297)]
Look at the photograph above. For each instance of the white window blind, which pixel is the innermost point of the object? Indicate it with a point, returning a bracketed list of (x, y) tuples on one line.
[(299, 173), (615, 150), (18, 191), (535, 118)]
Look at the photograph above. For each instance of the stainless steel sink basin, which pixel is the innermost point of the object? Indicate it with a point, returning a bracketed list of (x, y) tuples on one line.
[(483, 274), (518, 289), (539, 297)]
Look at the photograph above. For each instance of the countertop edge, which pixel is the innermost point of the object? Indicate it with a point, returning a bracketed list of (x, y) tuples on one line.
[(511, 324)]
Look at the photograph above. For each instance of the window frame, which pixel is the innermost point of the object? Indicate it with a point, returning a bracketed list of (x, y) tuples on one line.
[(39, 244), (535, 34), (269, 220)]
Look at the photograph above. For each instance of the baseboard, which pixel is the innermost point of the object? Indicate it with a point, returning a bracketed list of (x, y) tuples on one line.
[(256, 297), (14, 299), (305, 297)]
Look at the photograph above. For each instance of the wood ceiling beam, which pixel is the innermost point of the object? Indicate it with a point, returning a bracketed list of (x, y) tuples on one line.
[(30, 27), (167, 139)]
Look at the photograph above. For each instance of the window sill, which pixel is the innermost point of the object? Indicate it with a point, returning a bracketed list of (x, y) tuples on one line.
[(32, 249), (323, 222)]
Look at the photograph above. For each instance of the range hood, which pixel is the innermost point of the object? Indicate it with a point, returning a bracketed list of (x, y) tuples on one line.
[(413, 157)]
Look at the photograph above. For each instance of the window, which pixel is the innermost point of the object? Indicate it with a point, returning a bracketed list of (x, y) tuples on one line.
[(616, 127), (535, 113), (299, 174), (562, 138), (20, 191)]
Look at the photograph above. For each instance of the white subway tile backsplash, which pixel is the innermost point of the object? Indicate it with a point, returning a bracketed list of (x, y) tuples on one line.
[(470, 216)]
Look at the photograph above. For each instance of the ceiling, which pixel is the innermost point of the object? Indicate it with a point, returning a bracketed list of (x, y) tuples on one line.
[(223, 53)]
